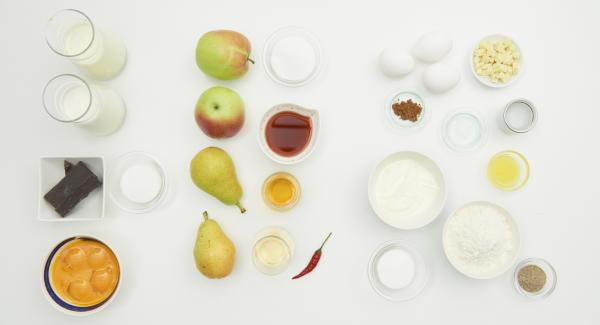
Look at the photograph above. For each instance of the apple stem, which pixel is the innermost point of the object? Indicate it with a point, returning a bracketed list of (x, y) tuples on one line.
[(242, 209), (251, 61)]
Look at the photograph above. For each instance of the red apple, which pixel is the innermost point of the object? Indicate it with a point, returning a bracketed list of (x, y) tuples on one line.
[(219, 112)]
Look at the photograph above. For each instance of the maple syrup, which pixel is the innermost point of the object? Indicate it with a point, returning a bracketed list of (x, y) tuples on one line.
[(288, 133)]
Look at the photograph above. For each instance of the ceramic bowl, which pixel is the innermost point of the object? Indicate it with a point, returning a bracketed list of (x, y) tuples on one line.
[(486, 81), (312, 114), (52, 171), (488, 274), (56, 301), (425, 216)]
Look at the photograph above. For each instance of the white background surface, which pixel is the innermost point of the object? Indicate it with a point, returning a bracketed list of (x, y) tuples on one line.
[(557, 210)]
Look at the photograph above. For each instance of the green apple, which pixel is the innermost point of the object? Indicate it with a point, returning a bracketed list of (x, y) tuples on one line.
[(219, 112), (223, 54)]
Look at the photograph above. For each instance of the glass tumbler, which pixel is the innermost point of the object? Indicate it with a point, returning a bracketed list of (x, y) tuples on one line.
[(72, 34), (98, 109)]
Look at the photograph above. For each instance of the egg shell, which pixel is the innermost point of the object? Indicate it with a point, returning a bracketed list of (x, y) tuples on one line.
[(433, 46), (440, 77), (396, 63)]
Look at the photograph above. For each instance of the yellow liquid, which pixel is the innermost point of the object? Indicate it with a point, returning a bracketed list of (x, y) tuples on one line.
[(504, 171), (281, 191)]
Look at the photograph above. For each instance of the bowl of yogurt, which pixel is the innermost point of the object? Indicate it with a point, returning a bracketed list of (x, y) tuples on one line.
[(407, 190)]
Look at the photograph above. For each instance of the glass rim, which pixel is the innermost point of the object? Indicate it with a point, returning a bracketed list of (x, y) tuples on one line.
[(68, 75), (86, 18)]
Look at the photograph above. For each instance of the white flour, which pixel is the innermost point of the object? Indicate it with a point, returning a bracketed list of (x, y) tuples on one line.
[(479, 239)]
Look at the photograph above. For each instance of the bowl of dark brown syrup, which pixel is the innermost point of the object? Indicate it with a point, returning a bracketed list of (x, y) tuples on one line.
[(288, 133)]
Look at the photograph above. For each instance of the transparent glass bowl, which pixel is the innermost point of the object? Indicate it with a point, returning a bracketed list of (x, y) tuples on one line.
[(122, 164), (394, 122), (414, 288), (464, 131), (550, 278), (523, 166), (280, 34), (295, 195)]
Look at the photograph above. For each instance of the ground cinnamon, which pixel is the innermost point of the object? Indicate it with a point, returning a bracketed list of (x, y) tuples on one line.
[(407, 110)]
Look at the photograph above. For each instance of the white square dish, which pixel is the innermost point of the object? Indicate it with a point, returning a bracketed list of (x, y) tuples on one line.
[(52, 171)]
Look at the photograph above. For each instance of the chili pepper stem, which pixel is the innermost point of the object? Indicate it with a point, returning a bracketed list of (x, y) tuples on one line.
[(326, 239)]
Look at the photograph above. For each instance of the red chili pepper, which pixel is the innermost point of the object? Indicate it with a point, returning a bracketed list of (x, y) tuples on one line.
[(313, 261)]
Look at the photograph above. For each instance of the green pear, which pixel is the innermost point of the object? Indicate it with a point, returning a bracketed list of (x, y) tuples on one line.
[(212, 170), (214, 252)]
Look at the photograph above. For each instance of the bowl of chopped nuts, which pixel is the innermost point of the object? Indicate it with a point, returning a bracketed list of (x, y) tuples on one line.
[(496, 61)]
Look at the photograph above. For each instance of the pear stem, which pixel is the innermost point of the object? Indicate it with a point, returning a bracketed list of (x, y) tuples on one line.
[(251, 61), (205, 215), (241, 207)]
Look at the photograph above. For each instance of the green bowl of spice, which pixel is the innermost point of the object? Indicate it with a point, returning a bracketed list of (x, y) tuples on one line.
[(405, 111), (535, 278)]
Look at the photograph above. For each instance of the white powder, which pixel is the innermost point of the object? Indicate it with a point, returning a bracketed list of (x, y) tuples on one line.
[(141, 183), (479, 239), (293, 59), (396, 268)]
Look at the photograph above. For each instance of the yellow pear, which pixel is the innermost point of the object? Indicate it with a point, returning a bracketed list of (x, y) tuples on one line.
[(212, 171), (214, 252)]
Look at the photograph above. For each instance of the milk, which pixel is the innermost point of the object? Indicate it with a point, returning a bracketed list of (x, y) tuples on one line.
[(106, 111), (103, 59)]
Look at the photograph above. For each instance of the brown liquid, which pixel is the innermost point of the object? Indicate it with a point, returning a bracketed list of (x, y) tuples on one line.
[(288, 133)]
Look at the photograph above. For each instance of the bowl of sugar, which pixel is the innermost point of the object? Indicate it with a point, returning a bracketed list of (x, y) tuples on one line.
[(397, 271), (138, 182), (292, 56)]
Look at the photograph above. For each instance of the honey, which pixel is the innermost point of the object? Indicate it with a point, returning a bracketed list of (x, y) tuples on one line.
[(281, 191), (84, 273)]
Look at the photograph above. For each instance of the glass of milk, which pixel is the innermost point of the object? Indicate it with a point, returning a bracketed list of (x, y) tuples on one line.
[(96, 108), (100, 54)]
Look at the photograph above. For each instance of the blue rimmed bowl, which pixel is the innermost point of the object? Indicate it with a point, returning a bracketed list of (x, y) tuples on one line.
[(61, 304)]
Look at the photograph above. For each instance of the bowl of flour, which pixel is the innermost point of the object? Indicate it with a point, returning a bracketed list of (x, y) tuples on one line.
[(481, 240)]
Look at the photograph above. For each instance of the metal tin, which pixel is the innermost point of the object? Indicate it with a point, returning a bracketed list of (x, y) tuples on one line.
[(512, 128)]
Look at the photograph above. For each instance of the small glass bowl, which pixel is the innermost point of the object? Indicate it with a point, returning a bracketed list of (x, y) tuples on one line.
[(122, 164), (395, 122), (291, 31), (410, 291), (511, 108), (523, 170), (464, 131), (550, 284), (295, 193)]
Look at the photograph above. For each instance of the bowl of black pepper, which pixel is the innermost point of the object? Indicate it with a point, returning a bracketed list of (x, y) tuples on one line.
[(405, 111), (535, 278)]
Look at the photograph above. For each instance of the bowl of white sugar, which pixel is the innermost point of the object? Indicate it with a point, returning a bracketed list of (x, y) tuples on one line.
[(481, 240)]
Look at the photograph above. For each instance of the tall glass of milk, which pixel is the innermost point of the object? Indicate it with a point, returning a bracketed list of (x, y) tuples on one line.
[(100, 54), (98, 109)]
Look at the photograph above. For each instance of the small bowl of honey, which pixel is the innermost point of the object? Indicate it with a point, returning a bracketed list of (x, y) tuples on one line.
[(81, 276), (281, 191), (288, 133)]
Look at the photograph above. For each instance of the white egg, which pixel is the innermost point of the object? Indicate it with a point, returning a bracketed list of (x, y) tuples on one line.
[(433, 46), (440, 77), (396, 63)]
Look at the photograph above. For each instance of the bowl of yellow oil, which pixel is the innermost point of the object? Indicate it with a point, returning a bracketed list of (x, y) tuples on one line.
[(508, 170), (281, 191)]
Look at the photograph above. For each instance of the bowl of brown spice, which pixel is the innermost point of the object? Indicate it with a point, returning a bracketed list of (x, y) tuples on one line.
[(405, 111), (535, 278)]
